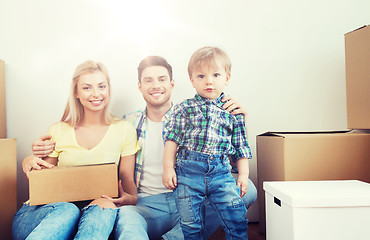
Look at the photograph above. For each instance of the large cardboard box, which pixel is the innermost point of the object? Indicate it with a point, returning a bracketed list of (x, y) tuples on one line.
[(357, 51), (77, 183), (8, 186), (310, 156), (2, 100), (306, 210)]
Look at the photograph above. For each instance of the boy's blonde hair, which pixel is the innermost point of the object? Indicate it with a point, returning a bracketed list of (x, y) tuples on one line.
[(208, 56), (74, 111)]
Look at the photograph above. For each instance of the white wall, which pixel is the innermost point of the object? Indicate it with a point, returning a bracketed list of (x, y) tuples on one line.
[(288, 57)]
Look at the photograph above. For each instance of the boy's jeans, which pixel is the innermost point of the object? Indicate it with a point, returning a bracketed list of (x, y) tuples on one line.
[(157, 217), (201, 176), (60, 221)]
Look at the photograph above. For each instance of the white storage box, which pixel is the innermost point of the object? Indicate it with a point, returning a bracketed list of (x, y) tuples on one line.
[(315, 210)]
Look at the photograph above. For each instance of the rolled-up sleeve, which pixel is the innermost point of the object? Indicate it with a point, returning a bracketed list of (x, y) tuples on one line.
[(175, 126), (239, 140)]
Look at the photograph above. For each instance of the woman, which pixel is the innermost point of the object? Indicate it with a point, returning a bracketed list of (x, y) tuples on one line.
[(87, 134)]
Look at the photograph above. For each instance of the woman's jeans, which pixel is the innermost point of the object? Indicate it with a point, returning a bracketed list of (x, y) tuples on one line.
[(61, 221), (201, 177)]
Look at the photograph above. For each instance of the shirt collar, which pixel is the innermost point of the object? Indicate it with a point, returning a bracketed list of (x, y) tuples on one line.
[(164, 118), (216, 101)]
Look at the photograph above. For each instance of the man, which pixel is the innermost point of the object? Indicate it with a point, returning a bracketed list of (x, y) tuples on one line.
[(155, 215)]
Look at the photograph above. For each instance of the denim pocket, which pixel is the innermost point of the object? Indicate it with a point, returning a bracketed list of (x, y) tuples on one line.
[(184, 203)]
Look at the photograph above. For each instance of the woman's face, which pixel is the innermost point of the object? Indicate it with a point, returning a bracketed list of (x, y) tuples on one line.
[(93, 91)]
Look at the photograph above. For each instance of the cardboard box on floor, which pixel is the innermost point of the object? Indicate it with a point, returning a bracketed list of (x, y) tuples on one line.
[(2, 100), (310, 156), (69, 184), (357, 51), (8, 186)]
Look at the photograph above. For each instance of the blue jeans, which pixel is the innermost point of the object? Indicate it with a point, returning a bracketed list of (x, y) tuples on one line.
[(200, 177), (157, 217), (61, 221)]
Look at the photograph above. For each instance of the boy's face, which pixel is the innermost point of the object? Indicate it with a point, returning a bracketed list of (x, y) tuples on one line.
[(209, 80), (156, 86)]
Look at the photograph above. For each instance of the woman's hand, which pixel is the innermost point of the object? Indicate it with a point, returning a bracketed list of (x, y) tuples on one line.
[(41, 147), (232, 106), (33, 162), (123, 197)]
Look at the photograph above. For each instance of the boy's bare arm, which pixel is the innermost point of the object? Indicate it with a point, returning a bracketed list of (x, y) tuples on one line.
[(169, 178), (243, 168)]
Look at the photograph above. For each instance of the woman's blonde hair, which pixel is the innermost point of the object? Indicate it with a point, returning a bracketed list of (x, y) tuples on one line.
[(74, 111)]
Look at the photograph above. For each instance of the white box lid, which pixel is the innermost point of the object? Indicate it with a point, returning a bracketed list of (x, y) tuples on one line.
[(341, 193)]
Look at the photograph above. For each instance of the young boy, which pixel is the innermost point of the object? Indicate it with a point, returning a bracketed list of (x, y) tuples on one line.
[(202, 136)]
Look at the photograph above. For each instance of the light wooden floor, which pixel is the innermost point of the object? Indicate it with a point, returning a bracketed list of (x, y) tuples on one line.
[(253, 233)]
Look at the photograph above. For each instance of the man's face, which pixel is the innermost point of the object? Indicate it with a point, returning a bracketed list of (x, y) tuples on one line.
[(156, 86)]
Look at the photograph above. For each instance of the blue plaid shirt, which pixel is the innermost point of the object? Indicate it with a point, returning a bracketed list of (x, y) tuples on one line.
[(202, 125), (138, 119)]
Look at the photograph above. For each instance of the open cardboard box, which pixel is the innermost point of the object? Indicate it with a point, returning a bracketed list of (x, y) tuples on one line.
[(357, 51), (76, 183), (310, 156)]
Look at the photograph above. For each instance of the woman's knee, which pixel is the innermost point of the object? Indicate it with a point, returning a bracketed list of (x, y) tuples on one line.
[(103, 203)]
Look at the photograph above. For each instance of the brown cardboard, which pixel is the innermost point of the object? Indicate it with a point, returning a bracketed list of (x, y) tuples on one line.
[(8, 186), (310, 156), (357, 51), (2, 100), (69, 184)]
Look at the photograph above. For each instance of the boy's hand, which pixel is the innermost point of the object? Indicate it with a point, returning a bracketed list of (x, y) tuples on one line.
[(41, 147), (242, 182), (169, 178)]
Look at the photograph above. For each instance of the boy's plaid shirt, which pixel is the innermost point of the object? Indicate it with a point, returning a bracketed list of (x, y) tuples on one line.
[(138, 119), (202, 125)]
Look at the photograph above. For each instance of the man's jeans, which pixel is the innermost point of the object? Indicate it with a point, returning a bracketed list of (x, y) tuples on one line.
[(201, 176), (157, 217), (61, 221)]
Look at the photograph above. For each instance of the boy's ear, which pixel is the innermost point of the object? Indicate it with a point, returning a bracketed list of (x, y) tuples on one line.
[(228, 76)]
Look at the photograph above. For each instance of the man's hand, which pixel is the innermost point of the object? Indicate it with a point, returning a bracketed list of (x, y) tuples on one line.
[(169, 178), (33, 162), (41, 147), (232, 106)]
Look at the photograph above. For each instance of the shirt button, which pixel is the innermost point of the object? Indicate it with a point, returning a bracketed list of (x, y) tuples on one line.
[(211, 158)]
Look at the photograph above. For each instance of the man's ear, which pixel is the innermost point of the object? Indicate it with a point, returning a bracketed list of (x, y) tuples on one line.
[(139, 85), (172, 82)]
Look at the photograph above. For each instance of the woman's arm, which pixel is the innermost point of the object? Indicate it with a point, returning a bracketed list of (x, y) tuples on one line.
[(126, 184), (32, 162)]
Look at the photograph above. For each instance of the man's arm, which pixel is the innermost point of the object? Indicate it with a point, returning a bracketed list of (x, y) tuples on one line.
[(42, 146), (169, 177)]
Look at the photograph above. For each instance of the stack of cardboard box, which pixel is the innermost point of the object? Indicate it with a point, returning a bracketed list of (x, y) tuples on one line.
[(310, 156), (8, 168)]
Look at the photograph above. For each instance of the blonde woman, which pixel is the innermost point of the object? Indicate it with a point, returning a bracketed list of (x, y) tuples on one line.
[(87, 134)]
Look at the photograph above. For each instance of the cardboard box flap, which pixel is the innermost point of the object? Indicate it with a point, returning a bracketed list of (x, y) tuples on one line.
[(307, 194), (364, 26), (284, 134)]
